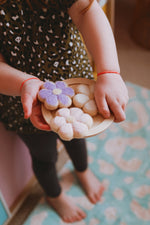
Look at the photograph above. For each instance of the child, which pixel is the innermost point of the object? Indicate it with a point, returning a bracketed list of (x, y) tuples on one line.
[(40, 40)]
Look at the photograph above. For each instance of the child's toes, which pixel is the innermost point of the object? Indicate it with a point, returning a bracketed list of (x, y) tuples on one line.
[(81, 214), (92, 198)]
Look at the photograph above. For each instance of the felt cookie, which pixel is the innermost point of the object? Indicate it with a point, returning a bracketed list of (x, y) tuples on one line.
[(84, 98), (56, 95), (71, 123)]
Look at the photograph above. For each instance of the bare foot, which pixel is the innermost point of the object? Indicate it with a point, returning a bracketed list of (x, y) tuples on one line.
[(91, 185), (65, 207)]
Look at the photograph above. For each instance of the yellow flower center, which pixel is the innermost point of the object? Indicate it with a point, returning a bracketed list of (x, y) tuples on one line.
[(57, 91)]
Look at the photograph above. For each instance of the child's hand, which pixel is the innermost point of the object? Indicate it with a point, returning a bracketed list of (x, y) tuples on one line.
[(111, 95), (31, 105)]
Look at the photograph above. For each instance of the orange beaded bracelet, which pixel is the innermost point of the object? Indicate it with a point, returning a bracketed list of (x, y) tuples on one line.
[(101, 73), (36, 78)]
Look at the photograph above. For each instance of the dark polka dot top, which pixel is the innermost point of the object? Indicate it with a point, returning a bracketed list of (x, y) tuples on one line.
[(41, 41)]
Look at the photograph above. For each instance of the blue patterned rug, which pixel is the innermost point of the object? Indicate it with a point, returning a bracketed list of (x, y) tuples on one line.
[(120, 158)]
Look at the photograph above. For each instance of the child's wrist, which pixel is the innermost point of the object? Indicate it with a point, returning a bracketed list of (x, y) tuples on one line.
[(107, 72), (26, 80)]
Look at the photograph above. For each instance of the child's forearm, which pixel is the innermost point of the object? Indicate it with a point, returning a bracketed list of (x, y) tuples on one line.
[(98, 37), (11, 79)]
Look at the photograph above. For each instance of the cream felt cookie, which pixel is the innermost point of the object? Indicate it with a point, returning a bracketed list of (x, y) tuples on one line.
[(83, 89), (80, 99), (90, 107), (56, 95), (71, 123), (84, 98)]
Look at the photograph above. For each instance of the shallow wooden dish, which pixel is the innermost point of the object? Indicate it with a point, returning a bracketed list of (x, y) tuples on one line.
[(99, 123)]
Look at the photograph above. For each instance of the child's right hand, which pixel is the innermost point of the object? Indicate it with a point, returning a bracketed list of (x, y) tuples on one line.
[(31, 105), (111, 95)]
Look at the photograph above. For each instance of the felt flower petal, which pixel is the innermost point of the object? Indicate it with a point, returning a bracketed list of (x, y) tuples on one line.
[(86, 119), (49, 85), (60, 84), (83, 89), (90, 107), (80, 129), (76, 112), (51, 102), (68, 91), (66, 132), (64, 101), (64, 112), (43, 94), (80, 99), (57, 122)]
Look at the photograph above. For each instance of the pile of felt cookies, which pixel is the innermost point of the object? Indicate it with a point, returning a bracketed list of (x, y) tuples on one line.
[(71, 108)]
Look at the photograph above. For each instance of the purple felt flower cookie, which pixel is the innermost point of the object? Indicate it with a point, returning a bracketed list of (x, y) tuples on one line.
[(56, 95)]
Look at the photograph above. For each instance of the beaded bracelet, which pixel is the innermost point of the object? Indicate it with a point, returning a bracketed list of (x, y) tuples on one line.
[(36, 78), (101, 73)]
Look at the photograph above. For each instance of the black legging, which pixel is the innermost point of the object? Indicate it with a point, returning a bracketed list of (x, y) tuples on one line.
[(43, 150)]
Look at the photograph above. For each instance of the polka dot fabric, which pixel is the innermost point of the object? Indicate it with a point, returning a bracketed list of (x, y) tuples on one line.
[(42, 42)]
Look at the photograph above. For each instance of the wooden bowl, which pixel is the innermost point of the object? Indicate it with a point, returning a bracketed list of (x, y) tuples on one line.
[(99, 123)]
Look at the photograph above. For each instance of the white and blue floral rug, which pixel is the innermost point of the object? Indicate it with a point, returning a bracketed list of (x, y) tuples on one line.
[(120, 158)]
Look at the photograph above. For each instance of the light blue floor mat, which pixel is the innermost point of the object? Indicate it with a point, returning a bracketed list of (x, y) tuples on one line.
[(120, 158)]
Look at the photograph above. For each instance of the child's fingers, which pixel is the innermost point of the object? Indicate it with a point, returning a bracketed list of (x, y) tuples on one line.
[(27, 102), (38, 120), (120, 117), (38, 123), (118, 111), (124, 106), (103, 107)]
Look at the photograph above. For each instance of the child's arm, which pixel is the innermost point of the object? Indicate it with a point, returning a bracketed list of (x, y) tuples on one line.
[(110, 92), (97, 34), (10, 83), (11, 79)]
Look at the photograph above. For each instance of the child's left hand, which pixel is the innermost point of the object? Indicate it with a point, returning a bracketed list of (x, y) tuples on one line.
[(111, 95), (31, 105)]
